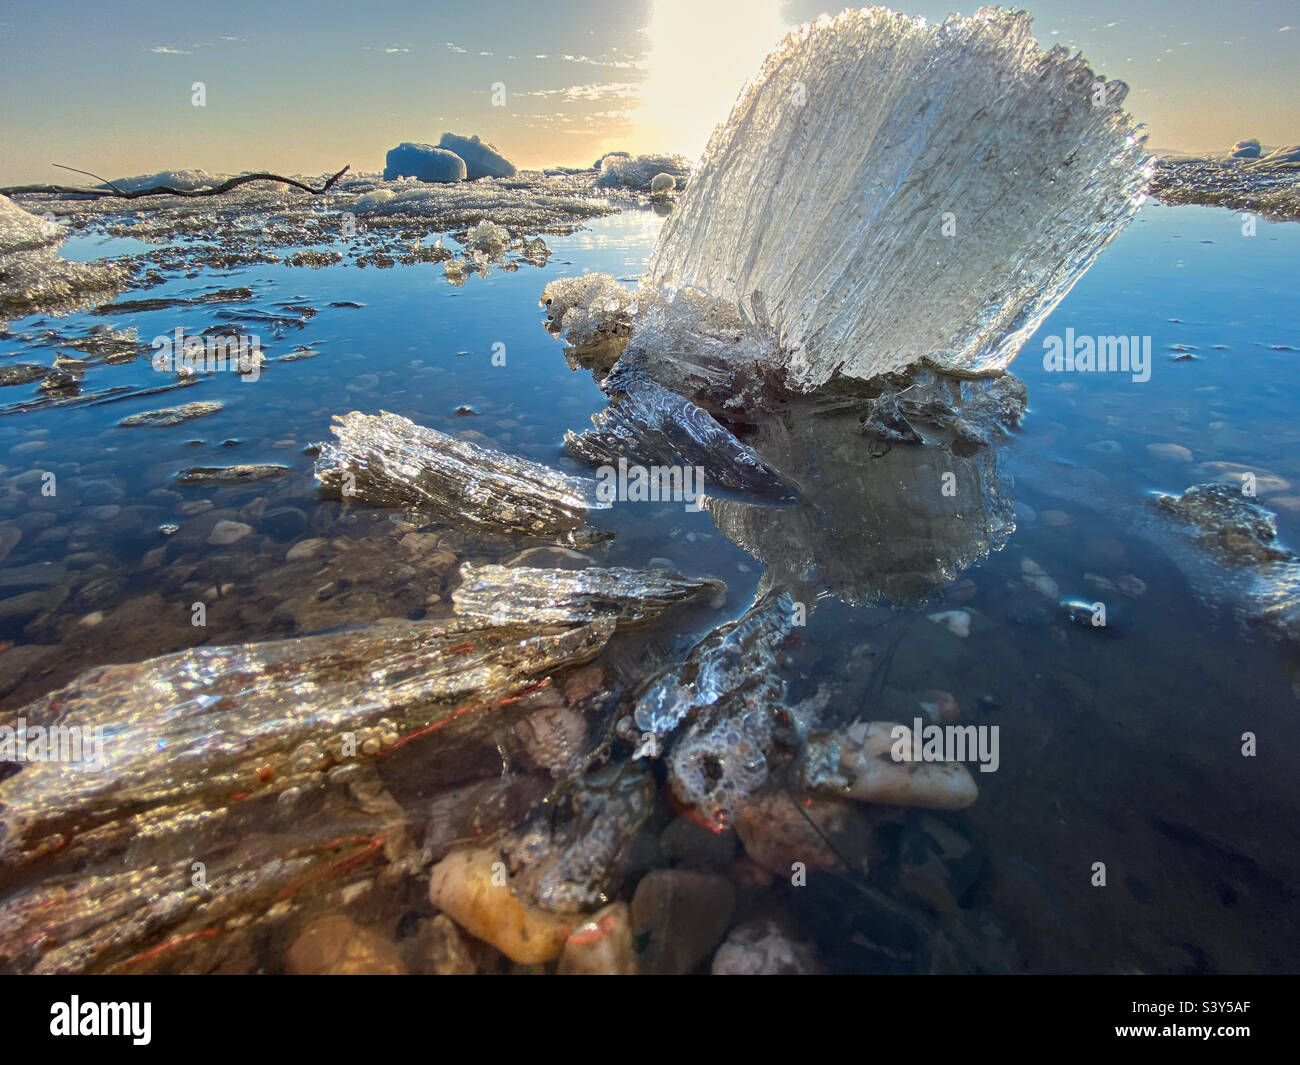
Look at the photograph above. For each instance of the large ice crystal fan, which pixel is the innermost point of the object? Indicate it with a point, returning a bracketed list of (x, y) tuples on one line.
[(887, 191)]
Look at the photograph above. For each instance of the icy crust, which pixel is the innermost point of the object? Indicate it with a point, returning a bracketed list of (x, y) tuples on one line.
[(32, 276), (827, 191), (1271, 189), (540, 205), (362, 220), (186, 180), (639, 171)]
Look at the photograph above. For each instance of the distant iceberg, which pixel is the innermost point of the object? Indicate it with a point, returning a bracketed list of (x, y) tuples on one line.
[(888, 192)]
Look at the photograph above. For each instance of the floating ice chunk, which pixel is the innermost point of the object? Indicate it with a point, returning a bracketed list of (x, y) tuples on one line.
[(423, 162), (629, 596), (172, 415), (185, 180), (1228, 522), (32, 276), (481, 159), (493, 240), (640, 171), (588, 309), (897, 191), (388, 460)]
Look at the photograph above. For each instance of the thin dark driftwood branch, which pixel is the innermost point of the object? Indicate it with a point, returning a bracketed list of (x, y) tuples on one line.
[(88, 174), (167, 190)]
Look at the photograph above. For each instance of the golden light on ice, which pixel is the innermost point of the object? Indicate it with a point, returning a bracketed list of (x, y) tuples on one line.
[(701, 52)]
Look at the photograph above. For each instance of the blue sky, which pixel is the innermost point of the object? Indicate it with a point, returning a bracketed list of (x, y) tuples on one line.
[(306, 87)]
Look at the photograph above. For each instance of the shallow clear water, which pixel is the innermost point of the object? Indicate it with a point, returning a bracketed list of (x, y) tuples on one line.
[(1121, 746)]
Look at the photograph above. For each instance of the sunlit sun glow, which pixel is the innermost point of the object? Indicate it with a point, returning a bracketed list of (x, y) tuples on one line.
[(701, 52)]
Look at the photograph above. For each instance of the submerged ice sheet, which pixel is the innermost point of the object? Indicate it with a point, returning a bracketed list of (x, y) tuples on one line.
[(732, 657), (888, 191), (182, 735), (388, 460)]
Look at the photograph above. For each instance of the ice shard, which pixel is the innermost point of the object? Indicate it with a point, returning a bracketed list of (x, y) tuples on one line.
[(388, 460), (731, 659), (887, 191), (570, 858), (649, 425), (731, 689), (560, 596), (137, 917), (184, 735)]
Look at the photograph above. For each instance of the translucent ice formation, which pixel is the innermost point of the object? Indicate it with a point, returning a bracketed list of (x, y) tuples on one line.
[(570, 858), (629, 596), (731, 659), (639, 171), (180, 736), (388, 460), (732, 684), (488, 238), (588, 309), (887, 191), (34, 278), (650, 425)]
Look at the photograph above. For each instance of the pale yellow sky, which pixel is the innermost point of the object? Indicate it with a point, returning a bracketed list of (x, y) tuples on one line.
[(308, 86)]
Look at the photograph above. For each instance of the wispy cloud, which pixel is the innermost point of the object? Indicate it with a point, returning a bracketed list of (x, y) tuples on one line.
[(609, 90), (166, 49), (621, 64), (596, 91)]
